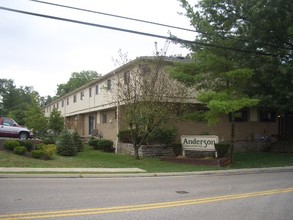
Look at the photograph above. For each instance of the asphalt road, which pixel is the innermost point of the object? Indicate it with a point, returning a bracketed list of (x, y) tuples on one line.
[(218, 196)]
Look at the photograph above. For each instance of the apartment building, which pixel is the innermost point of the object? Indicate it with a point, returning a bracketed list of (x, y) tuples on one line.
[(93, 109)]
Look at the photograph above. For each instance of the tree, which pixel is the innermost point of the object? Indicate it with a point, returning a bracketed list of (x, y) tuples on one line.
[(15, 101), (246, 42), (146, 97), (76, 80), (56, 121), (256, 34), (66, 145), (221, 85), (35, 119), (77, 141), (6, 85)]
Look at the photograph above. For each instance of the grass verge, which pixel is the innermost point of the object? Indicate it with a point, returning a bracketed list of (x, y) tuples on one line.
[(92, 158)]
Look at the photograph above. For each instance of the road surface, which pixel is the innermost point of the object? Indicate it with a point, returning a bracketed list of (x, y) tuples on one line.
[(266, 196)]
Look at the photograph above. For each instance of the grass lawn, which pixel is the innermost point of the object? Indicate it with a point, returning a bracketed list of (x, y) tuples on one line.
[(92, 158)]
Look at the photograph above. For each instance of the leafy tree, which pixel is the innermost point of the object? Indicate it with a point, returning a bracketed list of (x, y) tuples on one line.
[(15, 102), (35, 119), (255, 34), (242, 53), (56, 121), (221, 85), (76, 80), (6, 85), (144, 94)]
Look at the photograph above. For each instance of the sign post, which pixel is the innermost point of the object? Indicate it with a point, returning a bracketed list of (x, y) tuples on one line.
[(199, 143)]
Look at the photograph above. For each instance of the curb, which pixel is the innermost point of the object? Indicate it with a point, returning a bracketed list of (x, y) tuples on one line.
[(143, 174)]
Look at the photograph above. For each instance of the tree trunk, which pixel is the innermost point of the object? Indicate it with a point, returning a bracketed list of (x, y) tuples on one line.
[(232, 136), (136, 154)]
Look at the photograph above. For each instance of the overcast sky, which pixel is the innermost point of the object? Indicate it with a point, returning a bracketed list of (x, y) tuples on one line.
[(43, 53)]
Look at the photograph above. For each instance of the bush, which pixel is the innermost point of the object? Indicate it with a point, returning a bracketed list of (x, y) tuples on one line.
[(38, 154), (27, 143), (49, 140), (11, 144), (48, 151), (106, 145), (65, 144), (77, 141), (93, 142), (124, 136), (177, 149), (158, 135), (162, 135), (20, 150), (39, 146), (222, 149)]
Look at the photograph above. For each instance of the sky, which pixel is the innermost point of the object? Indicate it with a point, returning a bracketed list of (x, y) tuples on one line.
[(42, 52)]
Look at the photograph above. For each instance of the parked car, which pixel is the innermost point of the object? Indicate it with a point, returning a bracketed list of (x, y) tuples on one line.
[(9, 128)]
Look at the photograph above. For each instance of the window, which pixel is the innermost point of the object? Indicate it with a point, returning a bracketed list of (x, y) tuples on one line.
[(240, 116), (109, 84), (67, 101), (8, 122), (267, 116), (62, 103), (90, 92), (104, 118), (74, 98), (82, 95), (126, 77), (97, 89), (57, 105)]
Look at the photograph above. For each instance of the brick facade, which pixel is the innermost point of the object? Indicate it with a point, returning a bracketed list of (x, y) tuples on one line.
[(97, 113)]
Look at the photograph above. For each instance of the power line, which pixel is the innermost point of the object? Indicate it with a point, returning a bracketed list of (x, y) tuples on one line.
[(174, 39), (113, 15), (124, 17)]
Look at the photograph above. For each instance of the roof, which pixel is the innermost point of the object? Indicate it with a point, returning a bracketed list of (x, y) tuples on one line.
[(119, 69)]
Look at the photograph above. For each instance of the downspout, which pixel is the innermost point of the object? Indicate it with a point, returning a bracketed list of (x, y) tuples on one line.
[(117, 131)]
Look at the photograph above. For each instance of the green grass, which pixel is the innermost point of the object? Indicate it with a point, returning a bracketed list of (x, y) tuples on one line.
[(92, 158), (262, 159)]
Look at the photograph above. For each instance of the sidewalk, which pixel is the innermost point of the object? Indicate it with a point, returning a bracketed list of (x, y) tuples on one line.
[(15, 172)]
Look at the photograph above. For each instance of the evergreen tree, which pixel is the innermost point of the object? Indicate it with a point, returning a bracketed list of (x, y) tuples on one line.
[(77, 141), (65, 144)]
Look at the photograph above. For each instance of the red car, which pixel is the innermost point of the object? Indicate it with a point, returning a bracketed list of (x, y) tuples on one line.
[(9, 128)]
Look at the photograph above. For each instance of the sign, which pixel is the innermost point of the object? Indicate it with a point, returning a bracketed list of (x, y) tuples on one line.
[(199, 142)]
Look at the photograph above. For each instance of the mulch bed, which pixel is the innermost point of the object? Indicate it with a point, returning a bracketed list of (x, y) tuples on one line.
[(222, 162)]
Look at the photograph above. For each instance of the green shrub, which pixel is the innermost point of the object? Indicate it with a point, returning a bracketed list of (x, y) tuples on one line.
[(162, 135), (158, 135), (124, 136), (48, 151), (65, 144), (39, 146), (95, 143), (91, 141), (177, 149), (77, 141), (49, 140), (106, 145), (20, 150), (38, 154), (222, 149), (27, 143), (11, 144)]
